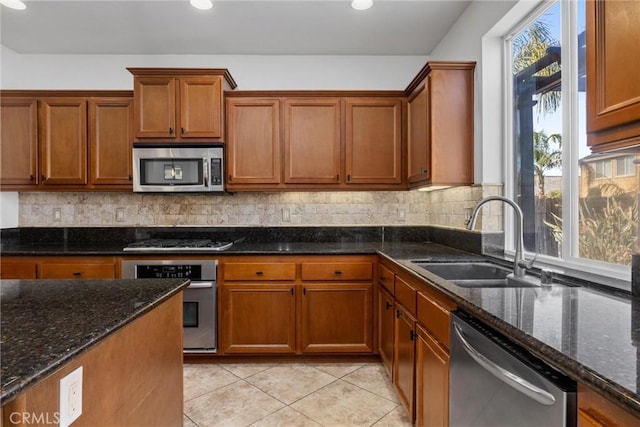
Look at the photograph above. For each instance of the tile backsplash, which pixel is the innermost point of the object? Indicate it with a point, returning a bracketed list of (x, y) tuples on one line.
[(446, 207)]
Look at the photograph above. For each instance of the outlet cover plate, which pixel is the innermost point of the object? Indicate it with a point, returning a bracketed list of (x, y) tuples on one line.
[(71, 397)]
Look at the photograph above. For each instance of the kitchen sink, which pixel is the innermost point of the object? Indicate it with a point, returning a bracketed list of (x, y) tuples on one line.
[(477, 274)]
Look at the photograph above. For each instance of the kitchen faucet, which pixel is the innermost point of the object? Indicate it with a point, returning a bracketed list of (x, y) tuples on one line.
[(520, 265)]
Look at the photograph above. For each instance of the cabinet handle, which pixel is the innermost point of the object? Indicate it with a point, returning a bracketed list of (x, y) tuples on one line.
[(412, 335), (230, 178), (388, 305), (291, 291), (337, 272), (398, 314), (349, 178), (259, 273), (338, 177), (43, 178), (32, 178), (181, 131), (130, 178), (77, 274), (423, 171), (304, 291), (170, 131)]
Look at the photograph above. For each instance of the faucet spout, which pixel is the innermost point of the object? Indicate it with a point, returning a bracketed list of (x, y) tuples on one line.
[(519, 263)]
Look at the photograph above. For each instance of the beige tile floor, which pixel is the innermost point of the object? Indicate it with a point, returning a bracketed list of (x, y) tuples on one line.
[(290, 394)]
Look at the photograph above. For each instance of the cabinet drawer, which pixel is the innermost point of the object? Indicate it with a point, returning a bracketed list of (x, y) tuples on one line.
[(434, 316), (386, 278), (406, 295), (337, 271), (259, 271), (77, 271), (18, 270)]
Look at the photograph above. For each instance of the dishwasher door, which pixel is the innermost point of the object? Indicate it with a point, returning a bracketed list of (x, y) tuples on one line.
[(493, 382)]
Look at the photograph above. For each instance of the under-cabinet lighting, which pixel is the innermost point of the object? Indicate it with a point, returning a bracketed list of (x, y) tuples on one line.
[(14, 4), (201, 4), (361, 4)]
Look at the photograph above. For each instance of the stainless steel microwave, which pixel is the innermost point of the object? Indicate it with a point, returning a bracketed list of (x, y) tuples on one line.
[(170, 167)]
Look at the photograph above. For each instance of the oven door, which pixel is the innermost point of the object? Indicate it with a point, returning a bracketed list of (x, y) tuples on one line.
[(199, 316)]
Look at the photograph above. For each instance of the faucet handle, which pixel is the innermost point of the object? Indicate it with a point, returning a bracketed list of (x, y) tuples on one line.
[(527, 265)]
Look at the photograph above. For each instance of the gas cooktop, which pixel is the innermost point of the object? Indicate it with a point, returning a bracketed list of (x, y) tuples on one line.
[(175, 245)]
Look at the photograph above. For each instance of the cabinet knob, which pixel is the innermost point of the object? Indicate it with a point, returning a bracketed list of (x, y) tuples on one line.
[(170, 131), (259, 273), (291, 291), (423, 171), (337, 272), (338, 177), (412, 335), (130, 178), (32, 178), (388, 305), (181, 131), (349, 178), (77, 274), (43, 178), (398, 314), (230, 178)]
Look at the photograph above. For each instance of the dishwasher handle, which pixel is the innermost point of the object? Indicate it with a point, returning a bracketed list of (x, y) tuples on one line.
[(200, 285), (513, 380)]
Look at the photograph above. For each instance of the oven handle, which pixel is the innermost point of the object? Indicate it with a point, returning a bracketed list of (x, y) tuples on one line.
[(518, 383), (205, 170), (200, 285)]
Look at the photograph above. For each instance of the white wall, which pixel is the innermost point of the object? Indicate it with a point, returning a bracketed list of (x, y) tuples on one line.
[(251, 72)]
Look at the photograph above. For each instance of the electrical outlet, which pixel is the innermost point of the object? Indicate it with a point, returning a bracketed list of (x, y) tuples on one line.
[(119, 214), (286, 215), (57, 214), (70, 397), (402, 214)]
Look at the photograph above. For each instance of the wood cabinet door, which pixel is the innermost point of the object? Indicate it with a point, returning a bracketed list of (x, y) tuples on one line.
[(373, 140), (17, 268), (418, 152), (254, 141), (312, 141), (63, 140), (154, 103), (432, 382), (404, 359), (594, 410), (386, 317), (336, 318), (201, 107), (257, 318), (19, 143), (613, 64), (110, 140)]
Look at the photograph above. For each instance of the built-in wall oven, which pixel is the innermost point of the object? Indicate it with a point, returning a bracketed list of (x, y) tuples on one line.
[(199, 299)]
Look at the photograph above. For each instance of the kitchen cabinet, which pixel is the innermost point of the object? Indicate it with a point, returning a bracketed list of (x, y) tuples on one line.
[(296, 304), (66, 140), (440, 125), (404, 358), (175, 104), (303, 140), (373, 141), (312, 141), (594, 410), (110, 141), (257, 307), (83, 267), (336, 307), (613, 86), (63, 140), (432, 358), (386, 316), (19, 148), (254, 142)]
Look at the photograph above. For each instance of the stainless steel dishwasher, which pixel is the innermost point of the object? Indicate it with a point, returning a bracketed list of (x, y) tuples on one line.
[(493, 382)]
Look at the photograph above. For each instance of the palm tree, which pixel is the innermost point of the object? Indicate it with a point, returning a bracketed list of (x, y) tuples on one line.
[(547, 155)]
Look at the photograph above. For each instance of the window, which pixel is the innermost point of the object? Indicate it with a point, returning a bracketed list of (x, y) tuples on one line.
[(580, 209)]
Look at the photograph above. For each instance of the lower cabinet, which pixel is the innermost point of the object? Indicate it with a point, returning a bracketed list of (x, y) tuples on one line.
[(432, 381), (58, 268), (595, 410), (336, 318), (386, 316), (301, 305), (258, 318), (404, 358)]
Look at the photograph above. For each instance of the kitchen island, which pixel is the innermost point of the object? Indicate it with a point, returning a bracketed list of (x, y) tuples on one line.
[(125, 334)]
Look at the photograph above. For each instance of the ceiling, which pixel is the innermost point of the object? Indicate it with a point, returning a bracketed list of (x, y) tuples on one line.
[(258, 27)]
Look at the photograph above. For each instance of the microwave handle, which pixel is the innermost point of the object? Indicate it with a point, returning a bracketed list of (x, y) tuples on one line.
[(205, 166)]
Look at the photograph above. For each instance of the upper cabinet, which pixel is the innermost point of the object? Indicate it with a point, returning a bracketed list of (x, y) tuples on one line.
[(613, 85), (315, 140), (66, 140), (440, 125), (180, 104)]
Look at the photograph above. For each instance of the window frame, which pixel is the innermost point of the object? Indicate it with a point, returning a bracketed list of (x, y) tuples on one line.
[(568, 262)]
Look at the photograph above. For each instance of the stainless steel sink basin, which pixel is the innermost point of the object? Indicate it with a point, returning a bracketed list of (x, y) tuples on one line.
[(476, 274)]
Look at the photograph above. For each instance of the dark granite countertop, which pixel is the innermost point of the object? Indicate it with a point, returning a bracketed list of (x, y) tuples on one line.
[(591, 334), (47, 323)]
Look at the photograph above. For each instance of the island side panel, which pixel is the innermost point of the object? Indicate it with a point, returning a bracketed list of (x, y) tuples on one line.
[(132, 378)]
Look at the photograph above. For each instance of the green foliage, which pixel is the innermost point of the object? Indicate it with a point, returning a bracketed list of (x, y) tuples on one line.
[(547, 155)]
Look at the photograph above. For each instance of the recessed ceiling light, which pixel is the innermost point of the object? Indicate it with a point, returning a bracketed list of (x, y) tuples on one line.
[(201, 4), (361, 4), (14, 4)]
